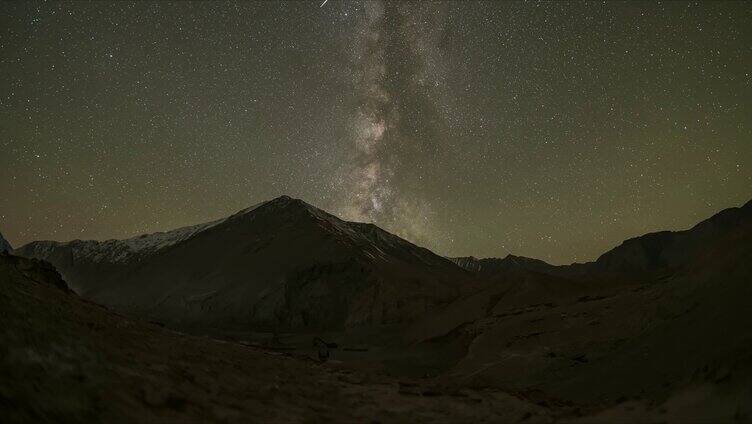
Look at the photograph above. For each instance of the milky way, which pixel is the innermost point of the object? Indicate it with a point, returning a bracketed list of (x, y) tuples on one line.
[(393, 73)]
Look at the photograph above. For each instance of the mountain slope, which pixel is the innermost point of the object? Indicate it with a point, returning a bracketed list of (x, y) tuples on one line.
[(676, 321), (639, 258), (67, 360), (4, 245), (488, 266), (667, 251), (279, 265)]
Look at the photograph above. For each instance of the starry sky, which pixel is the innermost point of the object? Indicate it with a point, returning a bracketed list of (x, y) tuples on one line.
[(551, 130)]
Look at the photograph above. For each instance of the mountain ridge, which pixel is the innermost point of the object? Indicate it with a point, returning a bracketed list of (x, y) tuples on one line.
[(284, 258), (641, 255), (278, 264)]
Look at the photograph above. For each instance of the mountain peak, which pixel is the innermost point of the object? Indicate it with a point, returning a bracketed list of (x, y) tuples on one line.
[(282, 202)]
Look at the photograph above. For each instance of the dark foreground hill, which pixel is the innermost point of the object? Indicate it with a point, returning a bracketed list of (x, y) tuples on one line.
[(663, 317), (67, 360), (278, 266)]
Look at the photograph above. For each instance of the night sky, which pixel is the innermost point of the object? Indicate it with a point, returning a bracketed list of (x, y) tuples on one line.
[(550, 130)]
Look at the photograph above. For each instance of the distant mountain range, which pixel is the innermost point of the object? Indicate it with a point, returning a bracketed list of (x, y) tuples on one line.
[(489, 266), (637, 258)]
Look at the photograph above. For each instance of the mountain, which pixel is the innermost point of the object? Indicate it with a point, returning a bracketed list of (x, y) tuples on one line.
[(639, 258), (496, 265), (667, 251), (4, 245), (655, 330), (279, 265), (663, 317), (65, 359)]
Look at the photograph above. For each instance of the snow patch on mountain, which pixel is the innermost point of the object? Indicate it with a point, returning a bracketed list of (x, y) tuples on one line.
[(120, 251), (117, 251)]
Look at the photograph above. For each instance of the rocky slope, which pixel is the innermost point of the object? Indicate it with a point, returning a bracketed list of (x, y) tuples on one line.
[(64, 359), (671, 328), (488, 266), (668, 251), (4, 245), (280, 265)]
